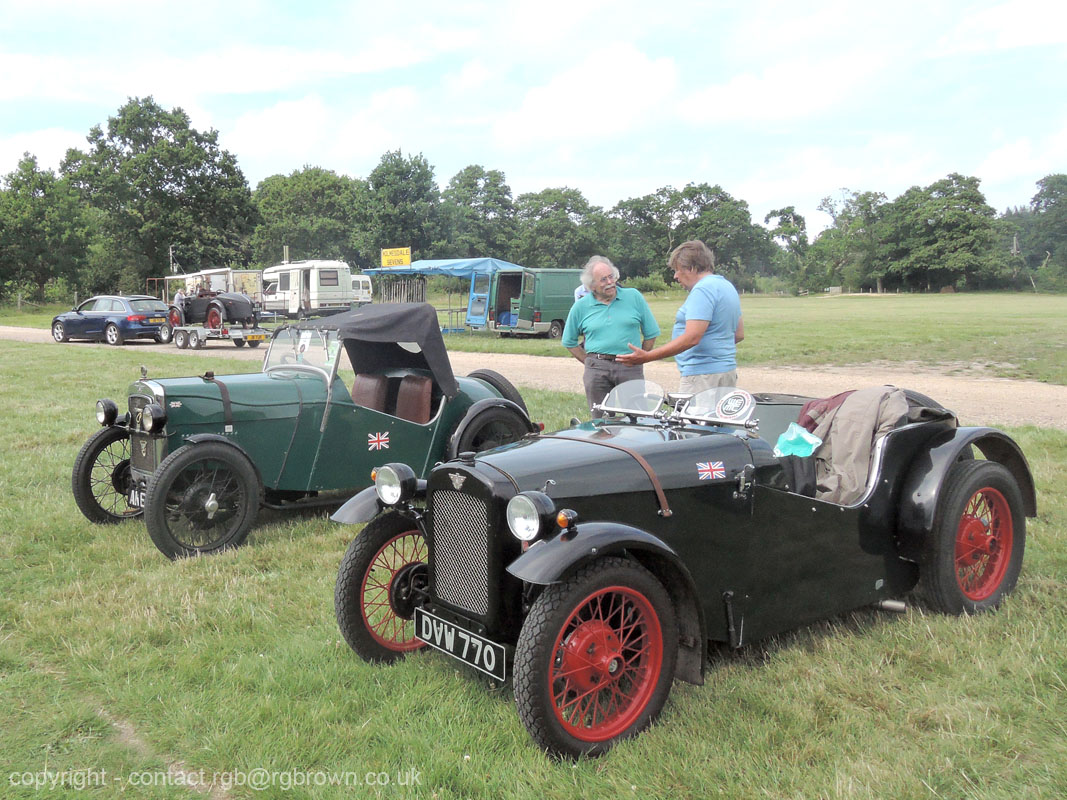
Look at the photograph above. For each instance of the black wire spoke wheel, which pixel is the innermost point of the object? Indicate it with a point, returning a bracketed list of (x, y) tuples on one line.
[(595, 658), (204, 498), (102, 480), (382, 576)]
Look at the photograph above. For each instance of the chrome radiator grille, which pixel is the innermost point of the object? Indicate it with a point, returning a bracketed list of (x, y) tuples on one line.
[(461, 550), (142, 446)]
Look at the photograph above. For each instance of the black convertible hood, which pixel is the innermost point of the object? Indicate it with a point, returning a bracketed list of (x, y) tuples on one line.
[(372, 334)]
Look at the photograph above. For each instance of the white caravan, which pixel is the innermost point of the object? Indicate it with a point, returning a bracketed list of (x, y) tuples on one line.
[(307, 288)]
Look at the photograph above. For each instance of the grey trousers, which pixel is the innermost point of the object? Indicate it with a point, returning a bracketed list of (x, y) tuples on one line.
[(601, 376)]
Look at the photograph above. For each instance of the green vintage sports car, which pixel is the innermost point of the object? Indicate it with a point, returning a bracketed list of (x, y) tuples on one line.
[(337, 397)]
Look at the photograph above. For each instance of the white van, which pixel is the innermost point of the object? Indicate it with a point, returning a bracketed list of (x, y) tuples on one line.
[(362, 291), (307, 288)]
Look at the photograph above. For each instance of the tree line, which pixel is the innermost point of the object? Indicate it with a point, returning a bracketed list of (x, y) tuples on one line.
[(150, 191)]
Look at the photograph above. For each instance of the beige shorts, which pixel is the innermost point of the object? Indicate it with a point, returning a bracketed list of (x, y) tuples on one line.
[(698, 383)]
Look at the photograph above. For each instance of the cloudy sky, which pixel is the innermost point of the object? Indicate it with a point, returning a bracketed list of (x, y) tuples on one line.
[(779, 103)]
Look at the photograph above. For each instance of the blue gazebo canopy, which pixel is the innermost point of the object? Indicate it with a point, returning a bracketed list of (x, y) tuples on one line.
[(455, 267)]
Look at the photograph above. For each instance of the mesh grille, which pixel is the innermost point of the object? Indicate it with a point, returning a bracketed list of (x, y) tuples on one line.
[(461, 550)]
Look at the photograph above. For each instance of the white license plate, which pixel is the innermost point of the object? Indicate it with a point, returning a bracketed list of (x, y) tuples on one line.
[(136, 498), (471, 649), (157, 320)]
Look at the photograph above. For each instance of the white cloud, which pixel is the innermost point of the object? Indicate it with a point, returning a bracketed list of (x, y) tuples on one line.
[(612, 91), (1015, 24)]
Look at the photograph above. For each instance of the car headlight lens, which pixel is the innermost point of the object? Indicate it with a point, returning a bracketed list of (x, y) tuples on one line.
[(530, 514), (154, 418), (106, 412), (394, 483)]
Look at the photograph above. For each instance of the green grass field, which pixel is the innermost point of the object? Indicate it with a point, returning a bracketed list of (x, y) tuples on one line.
[(1008, 335), (117, 664)]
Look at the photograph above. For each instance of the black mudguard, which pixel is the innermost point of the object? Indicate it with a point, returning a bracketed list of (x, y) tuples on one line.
[(922, 487)]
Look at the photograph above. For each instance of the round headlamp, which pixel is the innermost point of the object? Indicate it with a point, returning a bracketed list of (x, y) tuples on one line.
[(530, 514), (106, 412), (154, 417), (394, 483)]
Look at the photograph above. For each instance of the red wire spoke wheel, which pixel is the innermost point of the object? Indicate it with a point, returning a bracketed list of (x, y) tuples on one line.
[(384, 596), (608, 657), (983, 544), (382, 577)]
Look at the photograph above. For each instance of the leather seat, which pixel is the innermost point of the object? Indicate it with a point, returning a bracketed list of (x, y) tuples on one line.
[(413, 399), (370, 391)]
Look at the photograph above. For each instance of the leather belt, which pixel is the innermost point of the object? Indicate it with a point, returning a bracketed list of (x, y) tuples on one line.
[(604, 356)]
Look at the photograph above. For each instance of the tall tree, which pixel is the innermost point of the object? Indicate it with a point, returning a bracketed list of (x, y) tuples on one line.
[(557, 228), (478, 215), (44, 233), (1049, 208), (404, 206), (316, 212), (163, 184)]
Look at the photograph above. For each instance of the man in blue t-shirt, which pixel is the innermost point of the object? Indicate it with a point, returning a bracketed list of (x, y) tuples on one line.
[(708, 325), (611, 320)]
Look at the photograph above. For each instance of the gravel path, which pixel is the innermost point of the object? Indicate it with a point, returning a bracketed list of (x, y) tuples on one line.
[(977, 399)]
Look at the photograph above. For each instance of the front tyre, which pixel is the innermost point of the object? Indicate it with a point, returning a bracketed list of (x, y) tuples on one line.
[(203, 498), (58, 332), (101, 479), (973, 557), (595, 658), (381, 575)]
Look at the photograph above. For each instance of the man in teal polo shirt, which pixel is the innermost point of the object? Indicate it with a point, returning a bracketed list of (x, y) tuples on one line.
[(610, 320)]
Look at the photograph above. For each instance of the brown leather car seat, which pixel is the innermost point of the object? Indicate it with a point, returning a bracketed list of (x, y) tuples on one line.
[(413, 399), (370, 391)]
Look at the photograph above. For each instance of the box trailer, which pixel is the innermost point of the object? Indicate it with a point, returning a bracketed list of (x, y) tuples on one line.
[(523, 301)]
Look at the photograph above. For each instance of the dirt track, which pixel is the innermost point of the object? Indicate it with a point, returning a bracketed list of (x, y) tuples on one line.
[(976, 399)]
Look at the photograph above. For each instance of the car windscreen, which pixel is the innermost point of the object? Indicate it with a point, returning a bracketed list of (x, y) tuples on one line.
[(303, 347)]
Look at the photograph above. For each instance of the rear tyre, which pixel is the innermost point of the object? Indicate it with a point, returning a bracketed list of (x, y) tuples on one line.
[(974, 554), (595, 658), (203, 498), (112, 334), (555, 330), (194, 340), (164, 335), (181, 339), (58, 332), (377, 585), (101, 479), (254, 345), (493, 427), (502, 385)]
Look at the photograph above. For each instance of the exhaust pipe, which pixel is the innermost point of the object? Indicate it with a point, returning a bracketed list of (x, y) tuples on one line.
[(896, 606)]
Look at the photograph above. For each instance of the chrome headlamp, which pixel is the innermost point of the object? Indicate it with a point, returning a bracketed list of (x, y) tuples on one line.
[(530, 514), (154, 418), (106, 412), (394, 483)]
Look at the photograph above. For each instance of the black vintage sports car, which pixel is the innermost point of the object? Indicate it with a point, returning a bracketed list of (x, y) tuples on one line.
[(213, 310), (593, 566)]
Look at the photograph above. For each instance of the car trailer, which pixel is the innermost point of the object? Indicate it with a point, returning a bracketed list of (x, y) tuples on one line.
[(197, 336)]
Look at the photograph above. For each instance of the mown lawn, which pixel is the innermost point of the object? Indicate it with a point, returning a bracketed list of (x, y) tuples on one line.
[(117, 664)]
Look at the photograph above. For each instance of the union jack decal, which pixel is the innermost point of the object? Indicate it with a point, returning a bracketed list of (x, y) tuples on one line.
[(708, 470), (378, 441)]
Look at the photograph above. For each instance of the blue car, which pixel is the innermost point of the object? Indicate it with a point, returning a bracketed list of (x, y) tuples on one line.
[(114, 319)]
